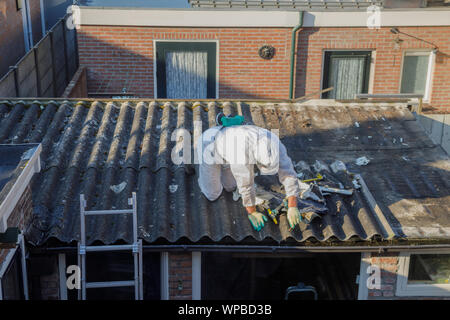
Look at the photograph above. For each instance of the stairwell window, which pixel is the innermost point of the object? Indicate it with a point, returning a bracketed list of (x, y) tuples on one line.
[(186, 70), (417, 73), (423, 275)]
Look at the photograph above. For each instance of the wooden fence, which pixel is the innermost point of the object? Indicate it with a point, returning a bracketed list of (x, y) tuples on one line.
[(47, 68)]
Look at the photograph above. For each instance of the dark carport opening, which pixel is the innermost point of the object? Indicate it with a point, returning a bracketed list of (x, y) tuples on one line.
[(268, 276)]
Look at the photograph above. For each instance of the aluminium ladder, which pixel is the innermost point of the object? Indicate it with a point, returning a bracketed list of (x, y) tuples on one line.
[(135, 247)]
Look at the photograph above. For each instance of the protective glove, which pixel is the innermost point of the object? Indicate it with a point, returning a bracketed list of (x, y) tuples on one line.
[(257, 220), (293, 216)]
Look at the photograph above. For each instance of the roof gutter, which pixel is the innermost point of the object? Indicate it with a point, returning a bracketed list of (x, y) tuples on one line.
[(271, 249), (293, 46)]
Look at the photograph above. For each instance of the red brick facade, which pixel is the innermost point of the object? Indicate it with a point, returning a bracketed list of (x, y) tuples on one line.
[(180, 276), (387, 59), (12, 43), (122, 57), (388, 264)]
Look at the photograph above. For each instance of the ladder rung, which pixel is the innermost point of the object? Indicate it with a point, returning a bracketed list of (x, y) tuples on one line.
[(118, 247), (110, 284), (101, 212)]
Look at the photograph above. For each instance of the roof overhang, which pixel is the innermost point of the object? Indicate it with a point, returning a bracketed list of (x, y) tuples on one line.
[(148, 17)]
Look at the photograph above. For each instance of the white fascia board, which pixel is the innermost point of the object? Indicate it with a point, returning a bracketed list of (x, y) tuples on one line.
[(12, 198), (407, 18), (253, 18), (185, 18)]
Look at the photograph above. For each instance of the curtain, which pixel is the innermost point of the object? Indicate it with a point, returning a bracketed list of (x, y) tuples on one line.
[(186, 75), (346, 75), (414, 75)]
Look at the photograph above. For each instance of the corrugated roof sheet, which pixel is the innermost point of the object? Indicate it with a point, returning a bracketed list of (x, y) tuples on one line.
[(89, 146)]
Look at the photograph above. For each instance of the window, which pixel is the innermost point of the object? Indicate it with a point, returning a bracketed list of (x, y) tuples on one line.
[(416, 73), (424, 275), (346, 71), (186, 70), (11, 282)]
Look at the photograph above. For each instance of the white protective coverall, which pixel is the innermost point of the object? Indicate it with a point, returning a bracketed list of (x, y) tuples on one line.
[(227, 155)]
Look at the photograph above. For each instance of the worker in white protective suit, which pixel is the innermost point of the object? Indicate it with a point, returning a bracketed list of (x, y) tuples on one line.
[(227, 155)]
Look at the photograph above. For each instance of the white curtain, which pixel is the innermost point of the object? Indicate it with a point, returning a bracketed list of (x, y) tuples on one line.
[(186, 75), (346, 75)]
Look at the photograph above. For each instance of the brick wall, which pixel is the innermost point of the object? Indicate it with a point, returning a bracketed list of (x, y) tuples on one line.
[(388, 59), (118, 57), (180, 276), (12, 46), (388, 264)]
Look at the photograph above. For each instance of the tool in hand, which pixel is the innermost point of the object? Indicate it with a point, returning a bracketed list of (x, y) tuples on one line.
[(317, 178)]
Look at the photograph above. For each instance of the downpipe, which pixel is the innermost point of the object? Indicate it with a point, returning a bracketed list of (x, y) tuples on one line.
[(293, 47)]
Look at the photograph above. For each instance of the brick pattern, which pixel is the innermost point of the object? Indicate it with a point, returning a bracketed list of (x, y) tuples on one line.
[(388, 264), (122, 57), (180, 276), (21, 215), (388, 60)]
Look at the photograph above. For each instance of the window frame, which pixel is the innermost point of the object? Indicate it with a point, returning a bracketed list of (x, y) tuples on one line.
[(342, 52), (429, 78), (161, 46), (13, 257), (417, 290)]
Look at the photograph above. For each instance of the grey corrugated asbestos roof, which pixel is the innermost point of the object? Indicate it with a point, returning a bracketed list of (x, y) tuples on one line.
[(91, 145)]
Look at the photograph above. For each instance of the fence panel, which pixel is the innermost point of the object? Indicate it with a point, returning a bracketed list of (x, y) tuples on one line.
[(8, 85), (59, 59), (26, 76), (47, 69)]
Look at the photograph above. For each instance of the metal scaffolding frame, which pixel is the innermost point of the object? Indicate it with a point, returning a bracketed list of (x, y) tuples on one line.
[(135, 247)]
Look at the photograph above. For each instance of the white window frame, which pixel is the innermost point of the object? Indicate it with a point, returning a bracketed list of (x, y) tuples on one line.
[(417, 290), (429, 80)]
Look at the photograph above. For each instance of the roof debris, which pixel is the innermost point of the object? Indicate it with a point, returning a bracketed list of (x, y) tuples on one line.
[(118, 188)]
